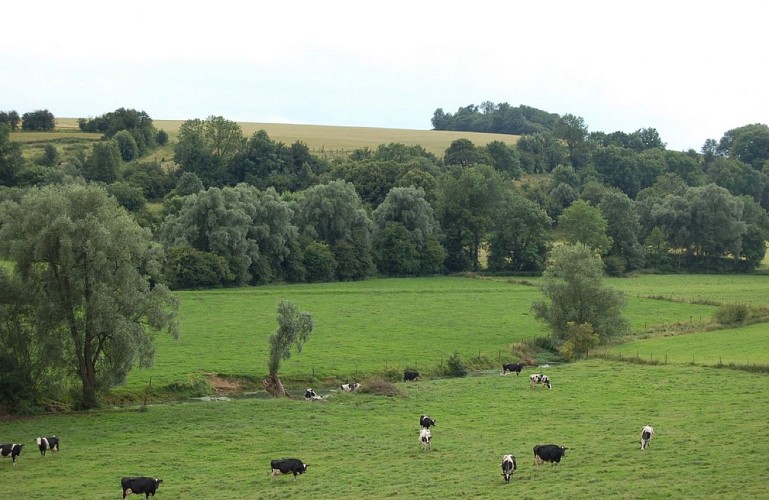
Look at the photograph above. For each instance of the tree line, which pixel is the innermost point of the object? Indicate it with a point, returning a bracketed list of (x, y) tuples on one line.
[(92, 263)]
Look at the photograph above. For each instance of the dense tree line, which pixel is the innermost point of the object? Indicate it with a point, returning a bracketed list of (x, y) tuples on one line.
[(248, 211), (495, 118)]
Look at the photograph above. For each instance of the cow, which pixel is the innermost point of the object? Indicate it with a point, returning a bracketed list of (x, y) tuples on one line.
[(48, 443), (508, 467), (426, 421), (412, 375), (310, 395), (147, 485), (11, 450), (425, 436), (350, 387), (647, 433), (538, 378), (512, 367), (548, 453), (288, 466)]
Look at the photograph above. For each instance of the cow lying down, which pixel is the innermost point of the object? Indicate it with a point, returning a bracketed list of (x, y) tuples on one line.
[(311, 395)]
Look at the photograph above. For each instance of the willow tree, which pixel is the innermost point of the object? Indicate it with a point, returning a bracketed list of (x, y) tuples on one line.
[(95, 272), (294, 328)]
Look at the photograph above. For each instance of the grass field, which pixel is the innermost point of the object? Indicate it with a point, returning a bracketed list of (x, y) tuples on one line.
[(367, 327), (710, 431)]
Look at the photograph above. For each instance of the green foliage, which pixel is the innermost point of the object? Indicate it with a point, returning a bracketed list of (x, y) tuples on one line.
[(39, 120), (93, 271), (519, 235), (294, 329), (575, 291), (127, 146), (583, 223), (11, 160), (103, 163), (455, 367), (319, 262), (129, 197), (186, 267), (499, 118), (732, 314), (578, 341)]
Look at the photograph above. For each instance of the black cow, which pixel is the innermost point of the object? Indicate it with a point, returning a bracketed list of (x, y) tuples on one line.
[(512, 367), (48, 443), (548, 453), (410, 375), (508, 467), (139, 485), (288, 466), (11, 450), (426, 421)]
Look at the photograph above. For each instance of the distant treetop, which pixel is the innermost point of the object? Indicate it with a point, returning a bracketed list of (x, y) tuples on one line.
[(495, 118)]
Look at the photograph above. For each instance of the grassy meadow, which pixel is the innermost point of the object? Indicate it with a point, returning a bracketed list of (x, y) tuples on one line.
[(365, 446), (707, 421)]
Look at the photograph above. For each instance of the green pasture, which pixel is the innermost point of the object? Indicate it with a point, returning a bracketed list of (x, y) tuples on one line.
[(747, 345), (710, 431), (367, 327)]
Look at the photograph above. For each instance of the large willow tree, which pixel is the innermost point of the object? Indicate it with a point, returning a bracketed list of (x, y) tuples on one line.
[(94, 269)]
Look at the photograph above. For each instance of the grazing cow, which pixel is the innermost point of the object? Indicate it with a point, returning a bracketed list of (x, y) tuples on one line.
[(647, 433), (410, 375), (47, 443), (508, 467), (310, 395), (288, 466), (139, 485), (538, 378), (425, 436), (548, 453), (11, 450), (350, 387), (426, 421), (512, 367)]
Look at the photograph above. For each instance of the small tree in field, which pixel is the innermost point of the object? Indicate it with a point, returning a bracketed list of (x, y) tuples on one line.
[(294, 328)]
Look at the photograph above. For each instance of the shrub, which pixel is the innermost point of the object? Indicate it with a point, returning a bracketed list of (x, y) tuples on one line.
[(380, 387), (455, 367), (731, 314)]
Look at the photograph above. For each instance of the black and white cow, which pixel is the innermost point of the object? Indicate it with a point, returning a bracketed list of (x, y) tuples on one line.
[(350, 387), (311, 395), (147, 485), (11, 450), (647, 433), (47, 443), (288, 466), (410, 375), (548, 453), (508, 467), (426, 421), (425, 438), (512, 367), (538, 378)]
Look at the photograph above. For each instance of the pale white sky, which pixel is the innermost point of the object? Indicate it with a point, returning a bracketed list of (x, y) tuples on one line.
[(692, 70)]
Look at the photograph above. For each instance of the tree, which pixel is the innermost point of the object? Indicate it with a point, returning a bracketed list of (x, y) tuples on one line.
[(41, 120), (10, 118), (749, 144), (578, 341), (584, 223), (575, 293), (573, 131), (519, 235), (103, 163), (126, 144), (294, 329), (467, 206), (332, 213), (11, 159), (462, 152), (96, 273)]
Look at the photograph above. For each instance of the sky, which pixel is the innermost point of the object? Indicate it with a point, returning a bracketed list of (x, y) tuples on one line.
[(691, 70)]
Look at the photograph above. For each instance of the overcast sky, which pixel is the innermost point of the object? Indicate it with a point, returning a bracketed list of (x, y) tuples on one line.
[(692, 71)]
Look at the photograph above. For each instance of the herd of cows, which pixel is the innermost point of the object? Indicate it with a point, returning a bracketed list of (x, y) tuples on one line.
[(542, 452)]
